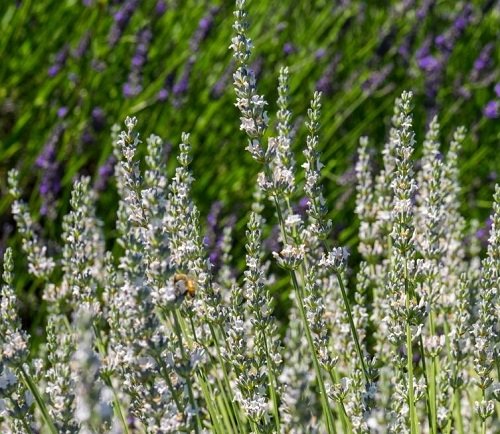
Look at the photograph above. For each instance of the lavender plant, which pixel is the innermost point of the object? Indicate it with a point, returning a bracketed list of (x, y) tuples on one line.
[(152, 339)]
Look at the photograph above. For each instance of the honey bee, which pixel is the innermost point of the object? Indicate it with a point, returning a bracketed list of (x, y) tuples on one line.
[(188, 282)]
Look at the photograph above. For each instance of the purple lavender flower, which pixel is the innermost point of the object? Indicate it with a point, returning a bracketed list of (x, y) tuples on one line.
[(214, 236), (121, 19), (203, 29), (129, 90), (428, 63), (162, 95), (319, 54), (221, 84), (50, 184), (133, 85), (59, 61), (302, 207), (483, 61), (288, 48), (424, 10), (160, 8), (105, 172), (376, 79), (164, 92), (325, 82), (272, 242), (213, 215), (181, 86), (98, 119), (463, 19), (444, 43), (482, 234), (62, 112), (424, 50), (492, 110), (87, 138), (82, 46), (497, 89)]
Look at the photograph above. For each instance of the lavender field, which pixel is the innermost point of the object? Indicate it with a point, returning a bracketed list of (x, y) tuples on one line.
[(249, 217)]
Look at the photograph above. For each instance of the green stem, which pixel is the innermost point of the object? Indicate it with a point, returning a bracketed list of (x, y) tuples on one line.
[(272, 385), (334, 377), (458, 400), (188, 379), (427, 387), (117, 408), (353, 328), (214, 413), (409, 352), (433, 385), (324, 398), (39, 400), (226, 379)]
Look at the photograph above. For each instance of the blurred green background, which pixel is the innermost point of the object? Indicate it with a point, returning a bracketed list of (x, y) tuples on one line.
[(70, 69)]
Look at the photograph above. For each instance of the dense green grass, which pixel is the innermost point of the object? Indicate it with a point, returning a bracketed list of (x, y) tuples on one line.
[(363, 38)]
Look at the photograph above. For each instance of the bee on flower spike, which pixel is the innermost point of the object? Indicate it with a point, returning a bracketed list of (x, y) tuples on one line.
[(188, 282)]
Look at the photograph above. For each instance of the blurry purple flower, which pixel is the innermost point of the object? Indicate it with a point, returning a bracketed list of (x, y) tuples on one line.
[(376, 79), (181, 86), (162, 95), (164, 92), (161, 7), (464, 18), (256, 66), (424, 50), (288, 48), (444, 43), (133, 85), (204, 26), (492, 110), (460, 23), (121, 20), (497, 89), (325, 82), (214, 236), (386, 42), (82, 46), (404, 49), (221, 84), (320, 53), (54, 70), (272, 242), (105, 172), (482, 234), (213, 215), (423, 11), (302, 207), (62, 112), (130, 90), (484, 59), (463, 92), (50, 184), (98, 119), (428, 63), (87, 138), (98, 65)]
